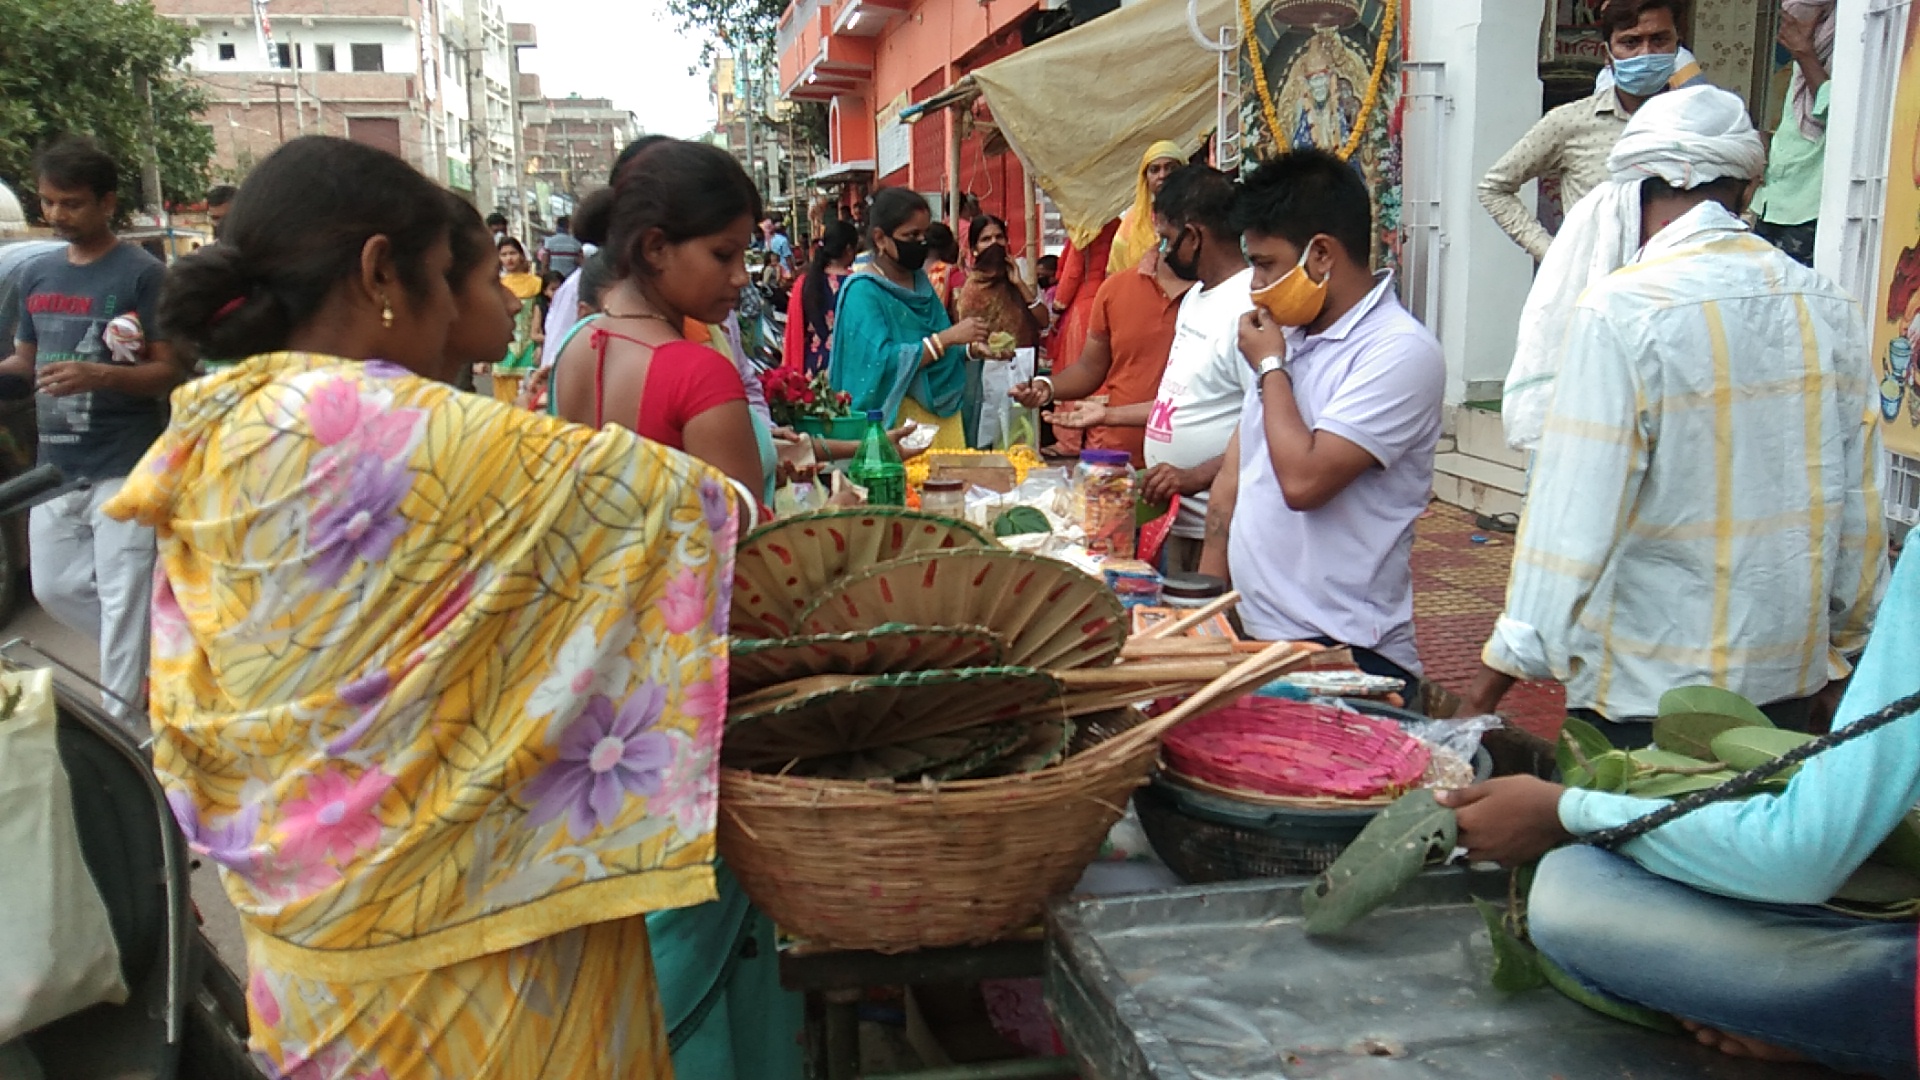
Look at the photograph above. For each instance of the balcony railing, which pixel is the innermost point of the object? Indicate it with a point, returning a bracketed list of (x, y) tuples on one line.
[(800, 14)]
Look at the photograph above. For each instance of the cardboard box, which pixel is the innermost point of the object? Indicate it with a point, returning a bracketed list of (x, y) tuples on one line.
[(991, 471)]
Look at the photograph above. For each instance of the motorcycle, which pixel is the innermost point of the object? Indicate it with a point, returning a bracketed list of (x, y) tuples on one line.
[(185, 1014)]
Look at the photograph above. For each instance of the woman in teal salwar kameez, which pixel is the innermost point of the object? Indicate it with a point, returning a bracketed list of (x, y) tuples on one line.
[(894, 348)]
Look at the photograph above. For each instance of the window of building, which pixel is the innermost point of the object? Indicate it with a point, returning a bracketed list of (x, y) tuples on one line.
[(226, 51), (323, 58), (367, 58), (283, 55)]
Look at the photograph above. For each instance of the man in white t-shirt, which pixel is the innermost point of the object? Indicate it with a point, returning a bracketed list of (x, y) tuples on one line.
[(1193, 417), (1336, 440)]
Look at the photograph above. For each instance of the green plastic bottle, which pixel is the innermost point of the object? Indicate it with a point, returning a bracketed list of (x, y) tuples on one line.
[(876, 465)]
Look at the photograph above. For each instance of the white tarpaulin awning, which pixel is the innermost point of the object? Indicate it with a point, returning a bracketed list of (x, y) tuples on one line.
[(1082, 107)]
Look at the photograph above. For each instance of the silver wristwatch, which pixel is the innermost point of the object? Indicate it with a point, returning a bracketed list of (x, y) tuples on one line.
[(1268, 366)]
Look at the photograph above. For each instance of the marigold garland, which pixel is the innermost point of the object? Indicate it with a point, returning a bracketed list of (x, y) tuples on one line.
[(1367, 104), (1024, 459)]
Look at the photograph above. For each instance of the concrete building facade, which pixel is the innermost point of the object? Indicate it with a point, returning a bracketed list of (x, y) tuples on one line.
[(569, 144)]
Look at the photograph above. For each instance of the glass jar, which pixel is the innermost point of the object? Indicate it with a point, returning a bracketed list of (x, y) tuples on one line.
[(1103, 502), (948, 498)]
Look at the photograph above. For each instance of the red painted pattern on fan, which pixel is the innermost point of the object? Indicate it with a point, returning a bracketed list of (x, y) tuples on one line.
[(1298, 750), (783, 566), (1050, 614)]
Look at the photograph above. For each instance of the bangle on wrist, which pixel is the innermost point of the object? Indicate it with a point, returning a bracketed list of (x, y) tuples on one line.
[(1049, 382)]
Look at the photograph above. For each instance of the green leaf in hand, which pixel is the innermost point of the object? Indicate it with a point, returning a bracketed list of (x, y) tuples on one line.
[(1386, 855)]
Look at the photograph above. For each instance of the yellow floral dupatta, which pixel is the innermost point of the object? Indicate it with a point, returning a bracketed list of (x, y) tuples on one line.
[(433, 677)]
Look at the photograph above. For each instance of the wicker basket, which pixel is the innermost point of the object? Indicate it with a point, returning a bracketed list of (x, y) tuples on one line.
[(897, 867)]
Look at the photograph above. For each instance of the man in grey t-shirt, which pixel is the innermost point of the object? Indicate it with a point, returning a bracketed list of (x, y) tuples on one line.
[(562, 254), (84, 315)]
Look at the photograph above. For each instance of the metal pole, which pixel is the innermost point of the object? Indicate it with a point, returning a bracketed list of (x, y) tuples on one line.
[(279, 118), (953, 168), (1034, 225), (753, 168), (150, 192)]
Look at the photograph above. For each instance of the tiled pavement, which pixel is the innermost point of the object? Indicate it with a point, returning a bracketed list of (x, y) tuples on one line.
[(1459, 585)]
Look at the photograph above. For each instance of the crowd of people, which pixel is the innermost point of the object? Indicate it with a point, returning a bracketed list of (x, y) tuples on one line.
[(438, 679)]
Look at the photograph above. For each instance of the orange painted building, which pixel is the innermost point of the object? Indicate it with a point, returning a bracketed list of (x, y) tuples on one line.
[(869, 59)]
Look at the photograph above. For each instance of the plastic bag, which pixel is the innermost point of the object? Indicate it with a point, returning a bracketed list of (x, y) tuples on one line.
[(57, 953), (1004, 424), (1462, 736)]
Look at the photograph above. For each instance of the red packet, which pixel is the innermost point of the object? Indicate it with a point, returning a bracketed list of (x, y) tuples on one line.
[(1153, 534)]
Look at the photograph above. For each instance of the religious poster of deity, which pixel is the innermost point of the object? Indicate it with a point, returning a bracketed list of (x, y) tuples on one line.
[(1325, 80), (1896, 336)]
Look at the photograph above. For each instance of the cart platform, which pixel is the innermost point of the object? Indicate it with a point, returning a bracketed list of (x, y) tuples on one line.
[(1220, 983)]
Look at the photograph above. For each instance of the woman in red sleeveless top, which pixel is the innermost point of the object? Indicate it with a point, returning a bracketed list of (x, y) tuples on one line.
[(683, 218)]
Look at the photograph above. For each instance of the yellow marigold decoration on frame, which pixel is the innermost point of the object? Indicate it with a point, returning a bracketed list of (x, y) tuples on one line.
[(1024, 459), (1381, 52)]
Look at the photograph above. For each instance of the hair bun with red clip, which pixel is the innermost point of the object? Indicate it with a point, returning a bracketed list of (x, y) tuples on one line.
[(228, 308)]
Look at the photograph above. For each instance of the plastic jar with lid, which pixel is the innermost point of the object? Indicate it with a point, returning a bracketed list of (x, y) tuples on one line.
[(1190, 590), (1103, 501), (948, 498)]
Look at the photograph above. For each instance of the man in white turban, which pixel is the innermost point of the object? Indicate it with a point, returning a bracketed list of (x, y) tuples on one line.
[(1685, 137), (1703, 507)]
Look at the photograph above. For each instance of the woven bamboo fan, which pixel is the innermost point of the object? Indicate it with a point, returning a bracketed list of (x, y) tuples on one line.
[(1297, 749), (828, 715), (1052, 615), (1043, 745), (937, 756), (782, 567), (757, 664)]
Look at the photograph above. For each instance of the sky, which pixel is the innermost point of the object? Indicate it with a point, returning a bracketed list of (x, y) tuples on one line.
[(628, 50)]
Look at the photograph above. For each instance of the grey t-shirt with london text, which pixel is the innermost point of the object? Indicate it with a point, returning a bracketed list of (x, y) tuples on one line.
[(64, 312)]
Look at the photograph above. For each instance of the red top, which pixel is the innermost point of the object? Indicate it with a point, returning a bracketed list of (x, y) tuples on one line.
[(684, 379)]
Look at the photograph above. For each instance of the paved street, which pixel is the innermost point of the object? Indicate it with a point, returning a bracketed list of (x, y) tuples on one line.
[(223, 927)]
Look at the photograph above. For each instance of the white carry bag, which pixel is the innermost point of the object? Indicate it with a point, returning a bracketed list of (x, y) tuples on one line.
[(57, 953)]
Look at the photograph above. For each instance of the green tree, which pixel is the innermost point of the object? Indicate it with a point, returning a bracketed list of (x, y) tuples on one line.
[(745, 28), (749, 30), (72, 66)]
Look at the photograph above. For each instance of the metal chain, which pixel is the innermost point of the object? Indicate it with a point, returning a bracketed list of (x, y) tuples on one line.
[(1610, 839)]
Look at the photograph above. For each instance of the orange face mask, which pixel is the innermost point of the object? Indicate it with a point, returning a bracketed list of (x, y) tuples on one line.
[(1295, 299)]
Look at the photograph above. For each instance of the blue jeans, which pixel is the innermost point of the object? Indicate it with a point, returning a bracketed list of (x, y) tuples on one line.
[(1838, 990)]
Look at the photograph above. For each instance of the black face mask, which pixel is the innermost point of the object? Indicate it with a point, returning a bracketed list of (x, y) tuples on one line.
[(910, 254), (1185, 270)]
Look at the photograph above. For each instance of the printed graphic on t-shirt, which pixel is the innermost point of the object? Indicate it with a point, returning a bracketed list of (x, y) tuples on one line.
[(1160, 417), (66, 419)]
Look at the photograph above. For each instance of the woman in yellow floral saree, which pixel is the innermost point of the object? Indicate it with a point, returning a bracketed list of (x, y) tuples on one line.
[(437, 682)]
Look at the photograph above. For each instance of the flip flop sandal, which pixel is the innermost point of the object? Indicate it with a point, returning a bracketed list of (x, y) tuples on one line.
[(1505, 523)]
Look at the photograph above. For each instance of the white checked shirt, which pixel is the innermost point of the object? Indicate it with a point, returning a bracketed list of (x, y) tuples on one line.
[(1704, 507)]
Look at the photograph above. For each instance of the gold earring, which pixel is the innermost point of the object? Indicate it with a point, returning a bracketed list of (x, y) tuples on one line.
[(386, 313)]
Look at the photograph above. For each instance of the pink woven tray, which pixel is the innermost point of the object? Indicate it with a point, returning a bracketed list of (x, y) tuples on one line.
[(1298, 750)]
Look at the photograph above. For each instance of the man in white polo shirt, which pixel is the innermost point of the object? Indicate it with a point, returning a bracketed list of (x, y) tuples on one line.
[(1336, 440)]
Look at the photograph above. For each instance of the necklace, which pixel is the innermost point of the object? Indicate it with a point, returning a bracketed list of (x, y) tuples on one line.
[(643, 315)]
